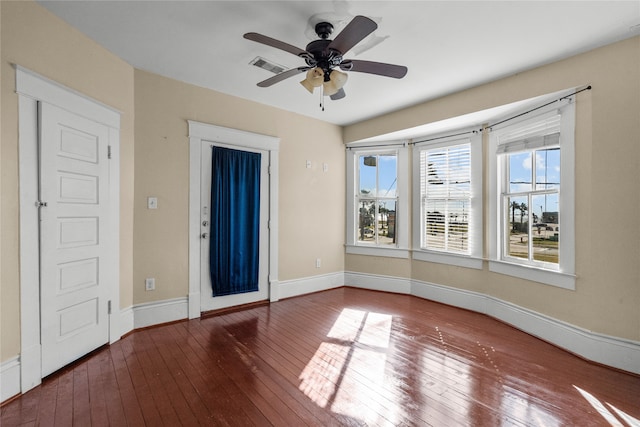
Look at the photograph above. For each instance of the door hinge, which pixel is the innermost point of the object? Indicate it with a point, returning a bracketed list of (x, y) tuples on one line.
[(109, 152), (41, 204), (109, 307)]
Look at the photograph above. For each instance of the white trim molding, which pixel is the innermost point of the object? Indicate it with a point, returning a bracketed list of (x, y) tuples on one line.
[(33, 88), (353, 246), (562, 275), (611, 351), (198, 133), (306, 285), (377, 282), (40, 88), (158, 312), (9, 378), (126, 320)]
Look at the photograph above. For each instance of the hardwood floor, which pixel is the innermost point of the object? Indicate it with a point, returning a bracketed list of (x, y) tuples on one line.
[(341, 357)]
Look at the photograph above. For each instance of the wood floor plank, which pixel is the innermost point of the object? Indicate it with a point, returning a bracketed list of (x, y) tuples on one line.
[(81, 401), (111, 392), (344, 357), (126, 392), (227, 402), (47, 408), (142, 389), (97, 399), (65, 401)]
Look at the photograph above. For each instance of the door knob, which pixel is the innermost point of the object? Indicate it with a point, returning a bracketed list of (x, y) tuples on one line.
[(204, 235)]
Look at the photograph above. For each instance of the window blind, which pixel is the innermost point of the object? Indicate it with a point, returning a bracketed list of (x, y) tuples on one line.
[(531, 143), (445, 175)]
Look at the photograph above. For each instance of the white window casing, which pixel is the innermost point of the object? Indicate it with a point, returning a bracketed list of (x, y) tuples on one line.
[(450, 148), (353, 246), (546, 128)]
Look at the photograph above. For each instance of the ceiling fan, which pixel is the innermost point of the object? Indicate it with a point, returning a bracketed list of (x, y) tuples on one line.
[(324, 56)]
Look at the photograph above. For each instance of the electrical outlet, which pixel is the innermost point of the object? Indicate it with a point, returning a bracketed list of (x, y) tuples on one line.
[(150, 284), (318, 262)]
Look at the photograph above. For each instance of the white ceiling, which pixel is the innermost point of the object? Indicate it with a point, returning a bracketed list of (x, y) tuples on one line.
[(448, 46)]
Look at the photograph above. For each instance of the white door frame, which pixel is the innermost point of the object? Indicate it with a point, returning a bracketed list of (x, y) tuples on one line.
[(199, 132), (31, 89)]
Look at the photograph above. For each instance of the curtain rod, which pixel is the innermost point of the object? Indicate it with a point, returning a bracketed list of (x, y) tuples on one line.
[(480, 130), (396, 144), (541, 106), (442, 137)]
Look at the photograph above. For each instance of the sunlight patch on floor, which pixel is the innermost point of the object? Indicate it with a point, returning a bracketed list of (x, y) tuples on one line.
[(347, 372), (606, 414), (633, 422)]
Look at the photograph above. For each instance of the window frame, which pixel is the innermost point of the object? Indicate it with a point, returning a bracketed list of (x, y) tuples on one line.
[(353, 246), (474, 259), (563, 275)]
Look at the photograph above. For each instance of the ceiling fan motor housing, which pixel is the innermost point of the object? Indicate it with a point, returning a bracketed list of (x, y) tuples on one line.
[(324, 29), (323, 57)]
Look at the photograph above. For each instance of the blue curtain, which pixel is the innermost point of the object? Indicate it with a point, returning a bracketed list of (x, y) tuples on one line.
[(235, 221)]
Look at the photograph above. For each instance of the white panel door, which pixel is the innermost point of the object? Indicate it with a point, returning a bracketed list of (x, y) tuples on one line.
[(74, 184), (207, 301)]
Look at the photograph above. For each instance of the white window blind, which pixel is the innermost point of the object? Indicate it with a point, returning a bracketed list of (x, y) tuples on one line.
[(532, 143), (445, 190), (543, 132)]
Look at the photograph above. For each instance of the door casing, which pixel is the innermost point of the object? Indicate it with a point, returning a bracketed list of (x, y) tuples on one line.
[(200, 133), (33, 88)]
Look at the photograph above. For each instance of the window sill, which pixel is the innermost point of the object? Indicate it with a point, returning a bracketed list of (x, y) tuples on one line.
[(377, 251), (547, 277), (447, 258)]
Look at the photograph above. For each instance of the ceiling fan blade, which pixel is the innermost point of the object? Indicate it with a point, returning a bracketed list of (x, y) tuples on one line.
[(371, 67), (283, 75), (338, 95), (277, 44), (356, 30)]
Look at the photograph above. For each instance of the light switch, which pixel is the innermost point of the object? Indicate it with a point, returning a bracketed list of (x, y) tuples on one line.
[(152, 203)]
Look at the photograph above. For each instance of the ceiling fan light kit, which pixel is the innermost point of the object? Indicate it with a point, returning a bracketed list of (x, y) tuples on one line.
[(315, 78), (324, 56), (337, 79)]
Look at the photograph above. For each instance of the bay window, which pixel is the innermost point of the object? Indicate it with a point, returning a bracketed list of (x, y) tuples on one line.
[(377, 201), (533, 194), (448, 201)]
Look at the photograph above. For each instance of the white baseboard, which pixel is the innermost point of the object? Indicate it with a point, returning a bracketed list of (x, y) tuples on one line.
[(306, 285), (154, 313), (194, 305), (375, 282), (9, 378), (461, 298), (607, 350), (126, 321)]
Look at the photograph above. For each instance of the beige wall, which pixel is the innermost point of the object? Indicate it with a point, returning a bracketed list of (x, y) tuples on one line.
[(37, 40), (607, 294), (311, 202)]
